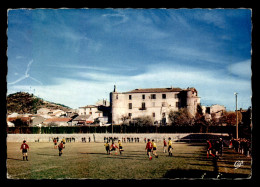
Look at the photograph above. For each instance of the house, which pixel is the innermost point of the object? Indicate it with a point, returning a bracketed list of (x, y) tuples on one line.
[(82, 120), (51, 112), (10, 124), (103, 102), (37, 120), (154, 102), (57, 121), (94, 112), (103, 120), (91, 110), (72, 113), (43, 111), (213, 112)]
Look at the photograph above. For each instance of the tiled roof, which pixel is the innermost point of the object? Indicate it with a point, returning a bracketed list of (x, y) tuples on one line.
[(22, 118), (57, 120), (81, 118), (155, 90), (89, 106)]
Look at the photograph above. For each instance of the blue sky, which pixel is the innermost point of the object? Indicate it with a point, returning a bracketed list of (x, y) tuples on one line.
[(76, 56)]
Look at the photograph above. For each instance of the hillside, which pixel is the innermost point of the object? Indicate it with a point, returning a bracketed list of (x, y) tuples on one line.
[(22, 102)]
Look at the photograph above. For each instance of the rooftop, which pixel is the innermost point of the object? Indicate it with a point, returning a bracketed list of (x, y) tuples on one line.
[(57, 120), (89, 106), (82, 118), (155, 90)]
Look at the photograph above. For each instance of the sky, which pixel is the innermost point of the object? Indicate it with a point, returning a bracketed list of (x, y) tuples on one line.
[(76, 56)]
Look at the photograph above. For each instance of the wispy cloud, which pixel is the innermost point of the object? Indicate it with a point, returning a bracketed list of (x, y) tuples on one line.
[(91, 50), (19, 57), (212, 88), (241, 69), (26, 75), (77, 68), (116, 18)]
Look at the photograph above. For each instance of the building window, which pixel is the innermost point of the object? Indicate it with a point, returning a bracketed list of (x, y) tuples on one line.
[(143, 96), (154, 114), (129, 105), (163, 104), (164, 96), (143, 106), (177, 104), (207, 110), (153, 96), (130, 97), (163, 114), (130, 115)]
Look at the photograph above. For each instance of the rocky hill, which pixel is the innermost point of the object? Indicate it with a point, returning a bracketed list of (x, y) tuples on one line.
[(22, 102)]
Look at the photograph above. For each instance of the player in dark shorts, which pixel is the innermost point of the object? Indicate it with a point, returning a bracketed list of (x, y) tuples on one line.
[(55, 143), (63, 140), (113, 148), (170, 147), (120, 147), (107, 147), (24, 147), (61, 147), (154, 148), (149, 147)]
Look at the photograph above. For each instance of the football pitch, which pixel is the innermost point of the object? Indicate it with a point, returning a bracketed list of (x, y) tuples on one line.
[(90, 161)]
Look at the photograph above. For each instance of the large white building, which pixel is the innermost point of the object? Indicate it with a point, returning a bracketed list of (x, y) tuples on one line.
[(154, 102)]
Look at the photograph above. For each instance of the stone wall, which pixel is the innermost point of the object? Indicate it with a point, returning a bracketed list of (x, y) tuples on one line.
[(100, 137)]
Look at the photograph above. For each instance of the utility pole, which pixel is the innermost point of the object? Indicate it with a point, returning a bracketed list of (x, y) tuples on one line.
[(236, 117)]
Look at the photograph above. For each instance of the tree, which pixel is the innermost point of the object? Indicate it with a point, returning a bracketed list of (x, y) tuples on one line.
[(96, 121), (53, 124), (19, 123), (144, 121), (125, 118), (200, 119), (181, 117), (229, 118)]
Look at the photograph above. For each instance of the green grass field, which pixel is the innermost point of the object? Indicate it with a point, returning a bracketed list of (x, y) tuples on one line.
[(90, 161)]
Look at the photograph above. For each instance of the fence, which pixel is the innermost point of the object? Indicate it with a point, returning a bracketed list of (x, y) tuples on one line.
[(125, 138), (121, 129)]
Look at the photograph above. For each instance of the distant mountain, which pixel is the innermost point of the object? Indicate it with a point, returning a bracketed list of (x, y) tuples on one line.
[(22, 102)]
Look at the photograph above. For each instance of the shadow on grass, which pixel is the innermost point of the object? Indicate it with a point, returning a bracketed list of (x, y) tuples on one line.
[(201, 174), (113, 156), (46, 154), (94, 153), (15, 159)]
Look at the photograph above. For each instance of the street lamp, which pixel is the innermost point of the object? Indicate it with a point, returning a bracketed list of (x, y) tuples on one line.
[(236, 117)]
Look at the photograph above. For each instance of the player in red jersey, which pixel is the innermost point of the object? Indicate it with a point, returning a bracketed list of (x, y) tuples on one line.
[(24, 148), (209, 149), (113, 147), (55, 143), (61, 147), (164, 145), (149, 147)]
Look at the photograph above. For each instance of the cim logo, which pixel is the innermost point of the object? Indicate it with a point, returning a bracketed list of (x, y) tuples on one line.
[(238, 164)]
